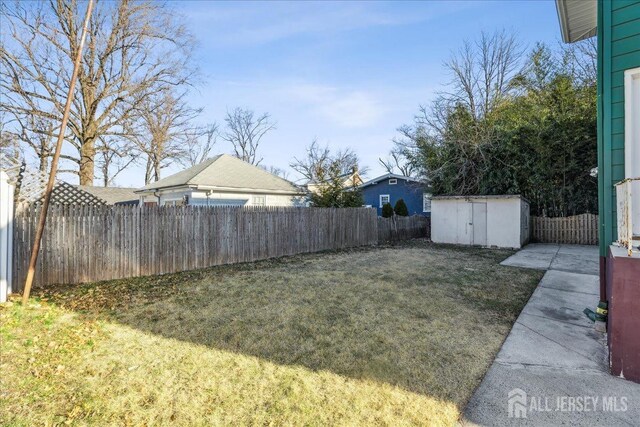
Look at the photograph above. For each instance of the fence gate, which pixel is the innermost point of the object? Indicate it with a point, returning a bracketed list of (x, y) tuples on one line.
[(6, 235)]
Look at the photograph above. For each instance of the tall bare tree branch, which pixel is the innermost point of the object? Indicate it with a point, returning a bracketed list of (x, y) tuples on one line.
[(245, 131), (133, 49), (163, 131), (319, 160), (199, 143)]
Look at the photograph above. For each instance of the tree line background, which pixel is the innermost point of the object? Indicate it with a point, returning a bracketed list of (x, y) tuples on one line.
[(511, 120)]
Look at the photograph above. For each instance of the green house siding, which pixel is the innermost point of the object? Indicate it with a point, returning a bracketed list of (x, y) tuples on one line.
[(618, 50)]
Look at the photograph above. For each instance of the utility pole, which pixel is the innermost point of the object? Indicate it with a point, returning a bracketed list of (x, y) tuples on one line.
[(54, 164)]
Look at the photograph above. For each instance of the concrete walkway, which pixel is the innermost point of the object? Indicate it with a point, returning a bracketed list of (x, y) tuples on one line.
[(553, 355), (571, 258)]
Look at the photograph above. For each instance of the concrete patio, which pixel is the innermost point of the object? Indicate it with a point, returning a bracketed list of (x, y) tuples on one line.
[(553, 354), (571, 258)]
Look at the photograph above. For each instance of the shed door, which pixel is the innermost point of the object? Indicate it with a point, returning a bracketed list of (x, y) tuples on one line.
[(480, 224), (464, 223)]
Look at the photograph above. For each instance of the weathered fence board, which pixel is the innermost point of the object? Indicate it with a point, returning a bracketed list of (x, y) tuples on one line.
[(91, 243), (403, 227), (579, 229)]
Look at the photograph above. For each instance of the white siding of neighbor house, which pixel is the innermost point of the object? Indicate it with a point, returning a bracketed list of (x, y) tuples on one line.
[(506, 221), (199, 198)]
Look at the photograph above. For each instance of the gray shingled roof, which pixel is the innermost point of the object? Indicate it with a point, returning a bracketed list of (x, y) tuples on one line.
[(225, 171), (112, 195)]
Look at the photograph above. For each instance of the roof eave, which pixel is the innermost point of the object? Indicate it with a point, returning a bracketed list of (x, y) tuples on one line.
[(565, 10), (390, 176)]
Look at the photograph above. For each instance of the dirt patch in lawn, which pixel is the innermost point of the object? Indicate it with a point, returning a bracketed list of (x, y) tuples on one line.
[(394, 335)]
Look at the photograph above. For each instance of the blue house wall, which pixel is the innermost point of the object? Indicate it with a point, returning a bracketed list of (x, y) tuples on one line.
[(410, 191)]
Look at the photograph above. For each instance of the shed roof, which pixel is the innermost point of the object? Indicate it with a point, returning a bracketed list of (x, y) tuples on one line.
[(225, 172), (578, 19), (486, 196)]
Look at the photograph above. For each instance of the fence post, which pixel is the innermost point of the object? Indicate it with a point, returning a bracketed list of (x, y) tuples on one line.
[(6, 236)]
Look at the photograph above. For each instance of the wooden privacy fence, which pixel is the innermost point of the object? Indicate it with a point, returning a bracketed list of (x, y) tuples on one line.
[(579, 229), (91, 243), (403, 227)]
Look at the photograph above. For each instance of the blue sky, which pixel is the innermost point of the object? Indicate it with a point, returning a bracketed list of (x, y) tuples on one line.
[(347, 73)]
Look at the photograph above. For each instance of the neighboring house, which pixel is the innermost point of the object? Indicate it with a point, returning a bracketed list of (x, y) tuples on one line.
[(617, 25), (390, 188), (113, 195), (349, 180), (223, 180)]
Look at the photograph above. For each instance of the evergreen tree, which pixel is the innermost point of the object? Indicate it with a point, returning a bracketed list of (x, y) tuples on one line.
[(332, 192), (387, 210), (400, 208)]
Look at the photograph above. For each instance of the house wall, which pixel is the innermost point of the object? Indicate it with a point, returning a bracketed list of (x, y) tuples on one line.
[(507, 222), (199, 198), (410, 192), (249, 199), (623, 322), (618, 50)]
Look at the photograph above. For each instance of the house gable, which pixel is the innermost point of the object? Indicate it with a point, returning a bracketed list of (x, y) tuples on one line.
[(396, 187)]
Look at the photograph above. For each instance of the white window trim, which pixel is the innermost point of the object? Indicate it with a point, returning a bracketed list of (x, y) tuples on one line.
[(393, 181), (426, 196), (632, 143), (388, 199), (262, 198)]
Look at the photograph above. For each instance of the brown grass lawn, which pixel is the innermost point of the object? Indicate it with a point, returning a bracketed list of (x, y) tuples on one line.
[(395, 336)]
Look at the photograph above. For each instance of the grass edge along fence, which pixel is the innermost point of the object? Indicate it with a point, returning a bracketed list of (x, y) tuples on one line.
[(93, 243), (576, 230)]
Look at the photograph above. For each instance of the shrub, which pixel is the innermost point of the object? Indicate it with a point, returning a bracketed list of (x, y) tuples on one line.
[(401, 208), (387, 210)]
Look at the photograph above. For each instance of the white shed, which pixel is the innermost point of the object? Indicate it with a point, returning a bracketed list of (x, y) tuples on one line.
[(499, 221)]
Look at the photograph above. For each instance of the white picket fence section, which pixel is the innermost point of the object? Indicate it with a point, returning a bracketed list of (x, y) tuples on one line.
[(6, 235)]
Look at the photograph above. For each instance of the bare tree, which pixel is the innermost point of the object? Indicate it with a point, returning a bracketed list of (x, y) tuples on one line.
[(318, 162), (113, 157), (282, 173), (481, 71), (582, 59), (36, 133), (163, 131), (133, 49), (244, 132), (200, 142), (399, 160)]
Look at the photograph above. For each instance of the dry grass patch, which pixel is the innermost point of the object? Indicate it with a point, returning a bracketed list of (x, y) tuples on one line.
[(396, 335)]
